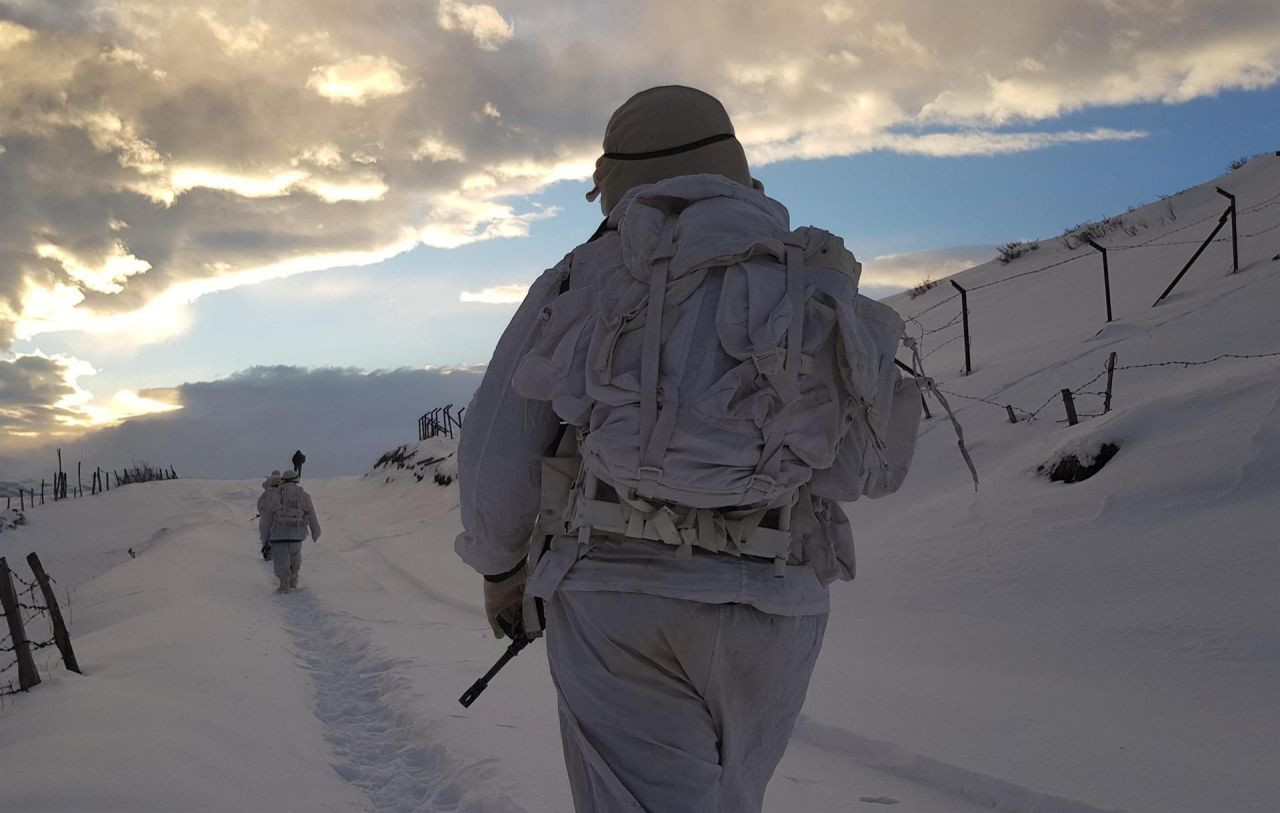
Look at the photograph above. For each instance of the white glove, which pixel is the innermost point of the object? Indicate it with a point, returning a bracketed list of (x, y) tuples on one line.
[(504, 598)]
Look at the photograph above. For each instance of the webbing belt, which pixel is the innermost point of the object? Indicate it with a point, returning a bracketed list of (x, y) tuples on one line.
[(737, 533)]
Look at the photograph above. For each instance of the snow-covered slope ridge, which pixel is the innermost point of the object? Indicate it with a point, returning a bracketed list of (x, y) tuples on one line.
[(1115, 640)]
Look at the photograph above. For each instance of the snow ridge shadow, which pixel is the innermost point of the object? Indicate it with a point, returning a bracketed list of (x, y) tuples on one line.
[(381, 748)]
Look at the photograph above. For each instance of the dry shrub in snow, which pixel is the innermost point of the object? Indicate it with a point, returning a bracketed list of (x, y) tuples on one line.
[(1012, 251), (925, 285)]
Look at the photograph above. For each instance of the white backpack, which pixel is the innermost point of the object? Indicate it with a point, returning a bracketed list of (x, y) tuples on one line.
[(289, 512), (727, 362)]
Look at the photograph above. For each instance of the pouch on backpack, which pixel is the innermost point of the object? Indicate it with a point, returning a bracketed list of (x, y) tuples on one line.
[(726, 360)]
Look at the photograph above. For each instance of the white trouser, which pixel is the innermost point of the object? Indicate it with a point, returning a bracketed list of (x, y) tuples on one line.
[(673, 706), (286, 557)]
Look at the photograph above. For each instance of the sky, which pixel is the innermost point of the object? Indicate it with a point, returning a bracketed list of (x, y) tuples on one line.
[(196, 193)]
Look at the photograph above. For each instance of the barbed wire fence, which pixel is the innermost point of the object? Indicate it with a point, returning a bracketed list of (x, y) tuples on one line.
[(1274, 200), (99, 481), (1024, 414), (1018, 413), (20, 609)]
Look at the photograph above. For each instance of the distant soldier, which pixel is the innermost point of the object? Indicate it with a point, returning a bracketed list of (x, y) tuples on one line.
[(268, 486), (298, 459), (285, 519)]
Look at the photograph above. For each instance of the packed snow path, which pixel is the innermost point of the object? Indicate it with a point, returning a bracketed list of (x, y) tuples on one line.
[(380, 748)]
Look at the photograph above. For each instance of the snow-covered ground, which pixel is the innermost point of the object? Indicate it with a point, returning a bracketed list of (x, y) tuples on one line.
[(1113, 644)]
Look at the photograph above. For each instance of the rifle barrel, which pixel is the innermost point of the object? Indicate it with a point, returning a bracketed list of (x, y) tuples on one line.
[(477, 688)]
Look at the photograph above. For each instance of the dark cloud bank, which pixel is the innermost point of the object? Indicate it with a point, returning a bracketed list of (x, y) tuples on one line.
[(251, 422)]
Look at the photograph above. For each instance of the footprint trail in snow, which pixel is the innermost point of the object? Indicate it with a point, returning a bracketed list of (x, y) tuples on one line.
[(381, 748)]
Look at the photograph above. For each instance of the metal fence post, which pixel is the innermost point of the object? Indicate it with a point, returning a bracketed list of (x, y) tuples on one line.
[(1106, 275), (1111, 374), (1235, 252), (964, 308), (1221, 222)]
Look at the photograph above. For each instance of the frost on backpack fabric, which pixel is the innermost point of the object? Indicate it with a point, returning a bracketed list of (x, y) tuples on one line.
[(727, 360)]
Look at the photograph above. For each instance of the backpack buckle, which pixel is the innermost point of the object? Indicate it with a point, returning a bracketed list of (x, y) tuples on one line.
[(761, 483)]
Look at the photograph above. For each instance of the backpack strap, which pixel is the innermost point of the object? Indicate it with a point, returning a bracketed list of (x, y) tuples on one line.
[(655, 428)]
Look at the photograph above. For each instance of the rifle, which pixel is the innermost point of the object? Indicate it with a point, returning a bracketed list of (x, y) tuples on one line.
[(515, 631)]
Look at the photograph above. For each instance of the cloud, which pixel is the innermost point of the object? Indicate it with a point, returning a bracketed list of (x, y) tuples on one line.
[(13, 35), (498, 295), (41, 399), (434, 149), (358, 80), (825, 143), (483, 22), (250, 423), (237, 40), (264, 140), (908, 268), (108, 277)]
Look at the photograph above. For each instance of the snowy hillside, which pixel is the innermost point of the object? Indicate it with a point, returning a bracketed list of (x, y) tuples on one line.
[(1113, 644)]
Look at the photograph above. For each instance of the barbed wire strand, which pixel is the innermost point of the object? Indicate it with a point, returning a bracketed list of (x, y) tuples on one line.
[(1080, 390), (1274, 200)]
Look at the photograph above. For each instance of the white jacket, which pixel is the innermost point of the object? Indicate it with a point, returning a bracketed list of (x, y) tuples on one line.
[(507, 435), (272, 524)]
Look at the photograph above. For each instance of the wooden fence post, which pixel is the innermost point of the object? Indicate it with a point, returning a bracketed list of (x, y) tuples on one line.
[(1012, 418), (42, 491), (22, 500), (27, 674), (1111, 374), (60, 634), (1069, 402), (79, 480)]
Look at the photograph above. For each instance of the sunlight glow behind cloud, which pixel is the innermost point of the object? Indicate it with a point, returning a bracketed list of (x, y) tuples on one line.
[(108, 277), (41, 397), (499, 295), (358, 80)]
